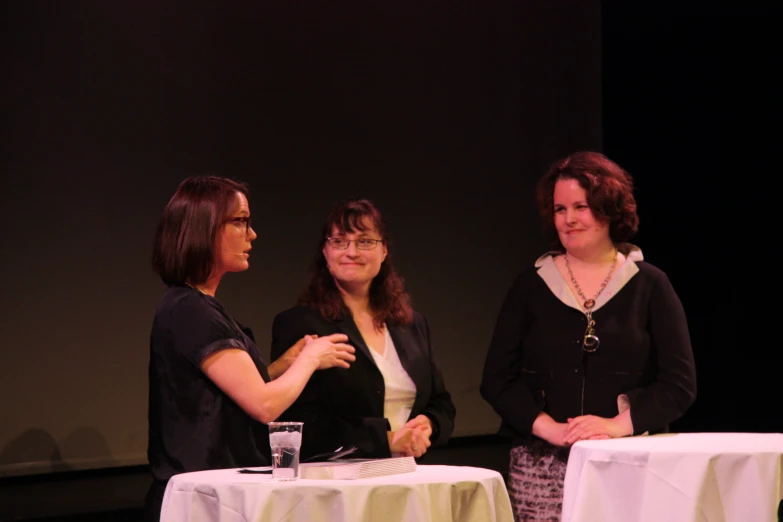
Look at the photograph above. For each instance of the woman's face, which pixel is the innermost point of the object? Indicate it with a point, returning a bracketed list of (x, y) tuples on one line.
[(576, 225), (354, 266), (234, 238)]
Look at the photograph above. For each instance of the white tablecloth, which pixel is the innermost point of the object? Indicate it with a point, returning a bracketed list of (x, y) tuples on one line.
[(687, 477), (430, 494)]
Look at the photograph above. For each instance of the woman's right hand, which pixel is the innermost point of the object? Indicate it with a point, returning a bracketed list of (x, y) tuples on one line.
[(547, 428), (411, 442), (329, 351)]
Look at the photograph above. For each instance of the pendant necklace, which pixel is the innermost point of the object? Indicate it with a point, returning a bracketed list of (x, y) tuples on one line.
[(590, 342)]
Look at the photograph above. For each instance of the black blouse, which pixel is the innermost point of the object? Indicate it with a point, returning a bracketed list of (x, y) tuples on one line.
[(536, 363), (193, 425)]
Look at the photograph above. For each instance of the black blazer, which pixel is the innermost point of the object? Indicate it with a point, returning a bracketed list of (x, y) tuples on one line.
[(344, 407)]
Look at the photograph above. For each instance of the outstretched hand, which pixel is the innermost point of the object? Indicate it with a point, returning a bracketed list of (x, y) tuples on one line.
[(329, 351)]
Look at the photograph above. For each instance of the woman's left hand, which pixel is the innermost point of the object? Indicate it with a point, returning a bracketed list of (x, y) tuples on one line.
[(279, 366), (293, 352), (422, 429), (423, 424)]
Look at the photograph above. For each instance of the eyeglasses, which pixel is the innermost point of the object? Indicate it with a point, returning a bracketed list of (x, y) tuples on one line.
[(242, 223), (340, 243)]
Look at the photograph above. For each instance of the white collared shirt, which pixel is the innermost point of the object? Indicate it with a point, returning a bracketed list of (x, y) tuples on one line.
[(400, 388)]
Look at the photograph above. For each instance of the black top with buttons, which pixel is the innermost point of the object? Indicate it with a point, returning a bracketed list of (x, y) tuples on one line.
[(536, 363)]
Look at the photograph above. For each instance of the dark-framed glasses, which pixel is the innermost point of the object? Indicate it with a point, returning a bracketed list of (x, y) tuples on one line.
[(340, 243), (242, 223)]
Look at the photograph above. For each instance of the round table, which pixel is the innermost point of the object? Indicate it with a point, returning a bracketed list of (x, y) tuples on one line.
[(685, 477), (429, 494)]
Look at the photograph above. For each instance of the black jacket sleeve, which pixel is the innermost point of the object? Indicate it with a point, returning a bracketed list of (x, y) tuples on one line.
[(502, 385), (674, 388), (439, 408)]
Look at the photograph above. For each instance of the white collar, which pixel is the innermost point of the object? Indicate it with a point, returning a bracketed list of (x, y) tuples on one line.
[(548, 271)]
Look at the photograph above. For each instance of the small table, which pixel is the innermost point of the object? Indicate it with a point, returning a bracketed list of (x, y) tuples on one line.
[(686, 477), (429, 494)]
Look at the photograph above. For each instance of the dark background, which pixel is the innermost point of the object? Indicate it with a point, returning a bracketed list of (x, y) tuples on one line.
[(690, 109), (444, 115)]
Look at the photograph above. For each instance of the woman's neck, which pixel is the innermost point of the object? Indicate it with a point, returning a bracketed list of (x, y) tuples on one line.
[(208, 287), (602, 255), (356, 298)]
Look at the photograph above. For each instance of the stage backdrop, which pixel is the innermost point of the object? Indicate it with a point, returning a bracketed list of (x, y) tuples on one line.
[(444, 115)]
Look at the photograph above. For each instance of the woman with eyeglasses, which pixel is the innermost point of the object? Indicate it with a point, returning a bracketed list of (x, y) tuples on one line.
[(591, 342), (392, 400), (210, 390)]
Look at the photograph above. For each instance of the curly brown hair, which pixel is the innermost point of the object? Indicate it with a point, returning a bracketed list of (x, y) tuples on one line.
[(389, 301), (609, 191)]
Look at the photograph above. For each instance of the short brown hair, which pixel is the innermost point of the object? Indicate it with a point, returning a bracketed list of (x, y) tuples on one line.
[(609, 191), (388, 300), (186, 239)]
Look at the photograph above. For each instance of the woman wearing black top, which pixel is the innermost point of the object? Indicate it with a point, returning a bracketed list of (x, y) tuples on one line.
[(393, 400), (210, 389), (591, 342)]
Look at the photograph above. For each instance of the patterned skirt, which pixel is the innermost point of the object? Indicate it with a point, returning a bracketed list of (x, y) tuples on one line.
[(535, 481)]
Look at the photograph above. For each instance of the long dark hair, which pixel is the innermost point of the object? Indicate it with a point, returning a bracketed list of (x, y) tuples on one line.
[(389, 301)]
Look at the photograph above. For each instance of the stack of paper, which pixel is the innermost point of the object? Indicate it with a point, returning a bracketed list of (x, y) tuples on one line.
[(357, 468)]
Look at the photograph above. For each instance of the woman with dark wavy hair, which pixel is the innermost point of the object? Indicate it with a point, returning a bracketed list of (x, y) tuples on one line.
[(392, 400), (591, 342)]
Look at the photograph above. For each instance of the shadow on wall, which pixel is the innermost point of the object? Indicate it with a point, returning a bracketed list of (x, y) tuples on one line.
[(37, 451)]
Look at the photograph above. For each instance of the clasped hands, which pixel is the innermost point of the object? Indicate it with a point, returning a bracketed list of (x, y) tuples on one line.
[(413, 439), (584, 427)]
